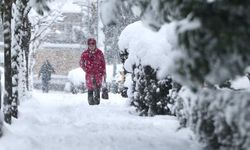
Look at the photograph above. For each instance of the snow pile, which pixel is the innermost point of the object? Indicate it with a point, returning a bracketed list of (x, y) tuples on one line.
[(146, 47), (76, 76), (241, 83)]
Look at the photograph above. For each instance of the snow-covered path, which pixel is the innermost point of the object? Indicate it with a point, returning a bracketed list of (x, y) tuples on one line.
[(60, 121)]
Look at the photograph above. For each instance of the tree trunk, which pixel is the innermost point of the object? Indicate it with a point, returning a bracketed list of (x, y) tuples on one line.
[(20, 44), (26, 42), (7, 60), (15, 58)]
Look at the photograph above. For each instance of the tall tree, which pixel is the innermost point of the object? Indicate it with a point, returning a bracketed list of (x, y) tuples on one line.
[(89, 20), (18, 56), (124, 17), (7, 14), (12, 58)]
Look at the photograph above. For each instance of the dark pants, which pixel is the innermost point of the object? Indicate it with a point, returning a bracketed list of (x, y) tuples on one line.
[(45, 86), (94, 96)]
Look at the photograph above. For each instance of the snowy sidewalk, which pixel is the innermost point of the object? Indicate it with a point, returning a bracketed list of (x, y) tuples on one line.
[(60, 121)]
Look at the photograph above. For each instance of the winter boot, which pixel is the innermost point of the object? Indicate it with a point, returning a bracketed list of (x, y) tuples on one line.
[(97, 96), (90, 97)]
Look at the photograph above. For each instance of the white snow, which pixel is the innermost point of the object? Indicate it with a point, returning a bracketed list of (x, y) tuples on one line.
[(76, 76), (156, 49), (70, 6), (241, 83), (55, 45), (109, 72), (60, 121)]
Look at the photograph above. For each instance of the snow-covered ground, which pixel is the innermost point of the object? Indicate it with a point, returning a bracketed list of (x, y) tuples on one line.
[(61, 121)]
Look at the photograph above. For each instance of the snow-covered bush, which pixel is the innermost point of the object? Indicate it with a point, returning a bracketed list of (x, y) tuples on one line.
[(218, 116), (183, 98), (148, 58), (219, 120), (77, 81), (150, 95)]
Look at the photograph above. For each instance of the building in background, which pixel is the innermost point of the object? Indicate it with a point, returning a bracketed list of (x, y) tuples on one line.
[(63, 45)]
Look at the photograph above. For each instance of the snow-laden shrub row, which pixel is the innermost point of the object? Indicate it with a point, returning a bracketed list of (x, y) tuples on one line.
[(222, 119), (219, 118), (149, 58), (183, 100), (150, 95)]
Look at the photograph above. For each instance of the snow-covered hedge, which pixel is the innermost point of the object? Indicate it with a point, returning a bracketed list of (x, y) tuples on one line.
[(147, 47), (183, 102), (219, 118), (150, 95), (149, 60)]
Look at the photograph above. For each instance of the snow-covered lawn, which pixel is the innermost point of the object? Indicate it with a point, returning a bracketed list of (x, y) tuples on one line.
[(62, 121)]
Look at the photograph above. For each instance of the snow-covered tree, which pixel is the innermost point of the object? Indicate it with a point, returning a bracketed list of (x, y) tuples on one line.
[(19, 70), (14, 57), (40, 6), (6, 16), (89, 25), (124, 17), (146, 58)]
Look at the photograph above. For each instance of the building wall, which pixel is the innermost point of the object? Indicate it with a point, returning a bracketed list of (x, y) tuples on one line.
[(63, 60)]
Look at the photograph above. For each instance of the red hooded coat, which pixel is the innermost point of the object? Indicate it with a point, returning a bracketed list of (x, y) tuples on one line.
[(93, 63)]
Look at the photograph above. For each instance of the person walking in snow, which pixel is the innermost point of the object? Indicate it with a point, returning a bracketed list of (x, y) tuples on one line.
[(45, 74), (93, 63)]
